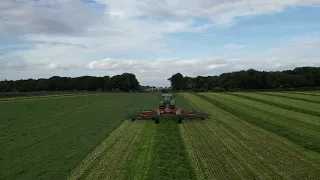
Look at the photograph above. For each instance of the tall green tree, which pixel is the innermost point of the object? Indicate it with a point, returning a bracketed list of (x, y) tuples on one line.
[(177, 81)]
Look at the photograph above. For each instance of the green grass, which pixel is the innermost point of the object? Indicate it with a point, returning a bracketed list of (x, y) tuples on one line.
[(169, 157), (47, 138), (247, 136)]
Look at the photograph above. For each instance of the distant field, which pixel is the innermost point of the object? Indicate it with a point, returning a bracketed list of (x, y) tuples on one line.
[(263, 135)]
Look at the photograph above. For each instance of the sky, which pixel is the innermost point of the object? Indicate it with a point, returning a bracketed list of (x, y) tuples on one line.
[(155, 39)]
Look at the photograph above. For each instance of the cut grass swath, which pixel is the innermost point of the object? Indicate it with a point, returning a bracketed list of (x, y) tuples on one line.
[(297, 120), (251, 152), (113, 158), (308, 142), (291, 96), (280, 103), (315, 94), (169, 157), (139, 165)]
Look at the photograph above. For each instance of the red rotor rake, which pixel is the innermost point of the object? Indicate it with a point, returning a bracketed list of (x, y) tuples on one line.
[(156, 113)]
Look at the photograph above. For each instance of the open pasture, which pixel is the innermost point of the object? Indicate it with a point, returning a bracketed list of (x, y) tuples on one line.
[(267, 135)]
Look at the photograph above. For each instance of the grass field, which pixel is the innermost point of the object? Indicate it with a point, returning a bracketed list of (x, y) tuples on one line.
[(263, 135)]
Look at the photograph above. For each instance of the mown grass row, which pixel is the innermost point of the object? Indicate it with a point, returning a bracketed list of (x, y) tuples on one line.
[(280, 103), (315, 94), (47, 138), (241, 150), (139, 149), (263, 121), (292, 96)]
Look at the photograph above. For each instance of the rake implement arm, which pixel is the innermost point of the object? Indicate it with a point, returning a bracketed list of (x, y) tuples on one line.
[(156, 113)]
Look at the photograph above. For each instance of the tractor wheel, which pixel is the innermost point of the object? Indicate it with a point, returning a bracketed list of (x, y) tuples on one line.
[(180, 120), (202, 118), (157, 121), (133, 119)]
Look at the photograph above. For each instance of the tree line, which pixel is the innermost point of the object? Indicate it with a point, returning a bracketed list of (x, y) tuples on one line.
[(249, 79), (125, 82)]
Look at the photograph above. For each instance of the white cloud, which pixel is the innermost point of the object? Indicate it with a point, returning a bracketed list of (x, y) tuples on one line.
[(288, 55), (16, 65), (234, 46), (157, 71), (220, 11)]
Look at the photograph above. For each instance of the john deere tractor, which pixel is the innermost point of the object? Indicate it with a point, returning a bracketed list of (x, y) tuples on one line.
[(167, 102)]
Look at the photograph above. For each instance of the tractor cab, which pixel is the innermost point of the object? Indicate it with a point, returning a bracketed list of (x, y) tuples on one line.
[(166, 97), (167, 101)]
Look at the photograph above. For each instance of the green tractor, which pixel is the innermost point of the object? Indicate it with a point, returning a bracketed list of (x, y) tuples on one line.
[(167, 106), (167, 102)]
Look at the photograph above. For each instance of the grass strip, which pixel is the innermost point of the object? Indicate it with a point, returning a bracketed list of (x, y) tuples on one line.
[(299, 121), (281, 130), (94, 155), (138, 166), (112, 164), (284, 106), (170, 159), (287, 96), (308, 94)]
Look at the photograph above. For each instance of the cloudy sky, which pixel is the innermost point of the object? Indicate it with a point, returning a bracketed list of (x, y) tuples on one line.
[(155, 38)]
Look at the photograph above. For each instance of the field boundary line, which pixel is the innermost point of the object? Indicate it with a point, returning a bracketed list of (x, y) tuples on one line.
[(48, 97)]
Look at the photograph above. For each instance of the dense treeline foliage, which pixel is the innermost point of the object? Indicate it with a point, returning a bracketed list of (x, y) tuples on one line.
[(250, 79), (124, 82)]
